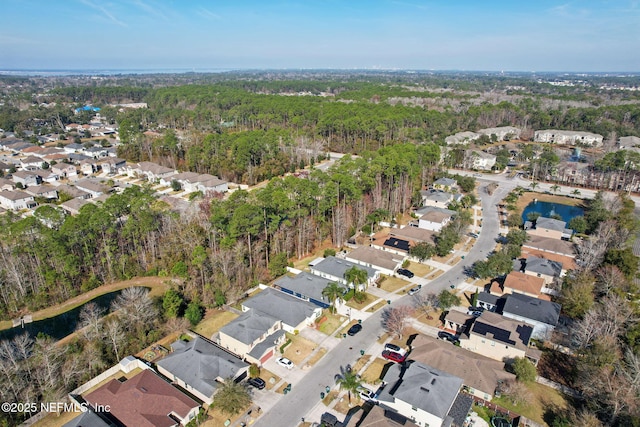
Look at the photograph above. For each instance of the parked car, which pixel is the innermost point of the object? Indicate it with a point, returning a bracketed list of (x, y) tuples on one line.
[(366, 394), (405, 272), (415, 290), (442, 335), (283, 361), (354, 329), (395, 348), (257, 383), (393, 356), (474, 313)]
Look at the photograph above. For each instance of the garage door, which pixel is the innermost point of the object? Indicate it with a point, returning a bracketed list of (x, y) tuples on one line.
[(266, 356)]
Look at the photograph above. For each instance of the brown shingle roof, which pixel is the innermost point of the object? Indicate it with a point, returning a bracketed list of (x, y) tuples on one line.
[(548, 244), (144, 400), (568, 263), (521, 282)]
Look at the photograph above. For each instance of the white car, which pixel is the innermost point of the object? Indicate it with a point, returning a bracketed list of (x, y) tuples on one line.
[(366, 394), (283, 361)]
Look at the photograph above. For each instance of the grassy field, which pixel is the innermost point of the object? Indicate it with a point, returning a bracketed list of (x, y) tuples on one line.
[(213, 321), (542, 398)]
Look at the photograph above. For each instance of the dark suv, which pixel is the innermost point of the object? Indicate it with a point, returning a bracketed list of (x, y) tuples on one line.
[(257, 383), (405, 272)]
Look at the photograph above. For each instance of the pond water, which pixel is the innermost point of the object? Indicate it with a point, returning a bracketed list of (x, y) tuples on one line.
[(61, 325), (548, 209)]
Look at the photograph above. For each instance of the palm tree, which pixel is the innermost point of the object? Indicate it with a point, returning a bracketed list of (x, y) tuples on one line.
[(349, 381), (533, 185), (555, 188), (232, 397), (576, 192), (356, 277), (333, 291)]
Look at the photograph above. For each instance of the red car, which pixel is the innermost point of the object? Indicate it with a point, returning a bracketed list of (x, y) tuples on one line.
[(393, 356)]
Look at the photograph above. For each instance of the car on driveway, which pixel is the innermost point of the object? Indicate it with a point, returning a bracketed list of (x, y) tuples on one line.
[(283, 361), (415, 290), (393, 356), (442, 335), (474, 313), (257, 383), (395, 348), (354, 329), (366, 394), (406, 273)]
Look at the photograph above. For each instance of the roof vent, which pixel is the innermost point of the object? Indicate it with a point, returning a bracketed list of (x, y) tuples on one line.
[(433, 381), (144, 390), (423, 388)]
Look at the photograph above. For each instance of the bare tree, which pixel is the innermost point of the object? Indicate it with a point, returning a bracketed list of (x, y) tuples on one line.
[(425, 303), (48, 358), (394, 319), (609, 277), (114, 333), (135, 306), (517, 392), (176, 324), (90, 320)]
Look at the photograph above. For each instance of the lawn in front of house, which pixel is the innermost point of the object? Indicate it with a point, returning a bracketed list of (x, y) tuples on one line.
[(213, 321), (372, 374), (392, 284), (218, 418), (377, 306), (419, 269), (299, 348), (542, 398), (331, 324), (434, 319), (360, 305)]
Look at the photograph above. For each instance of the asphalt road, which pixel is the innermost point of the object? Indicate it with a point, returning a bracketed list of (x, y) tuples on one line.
[(305, 394)]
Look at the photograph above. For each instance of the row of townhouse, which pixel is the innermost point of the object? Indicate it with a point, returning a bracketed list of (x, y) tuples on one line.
[(189, 181)]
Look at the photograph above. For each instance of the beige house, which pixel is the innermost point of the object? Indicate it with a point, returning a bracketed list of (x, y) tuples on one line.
[(385, 262), (548, 227), (497, 337), (457, 322), (481, 375), (518, 282), (570, 137)]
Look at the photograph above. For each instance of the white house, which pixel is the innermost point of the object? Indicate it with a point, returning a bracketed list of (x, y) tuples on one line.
[(16, 200), (477, 159), (571, 137), (504, 133), (433, 218), (334, 269), (461, 138), (384, 261)]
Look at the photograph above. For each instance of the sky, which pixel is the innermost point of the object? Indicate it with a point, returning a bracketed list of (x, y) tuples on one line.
[(200, 35)]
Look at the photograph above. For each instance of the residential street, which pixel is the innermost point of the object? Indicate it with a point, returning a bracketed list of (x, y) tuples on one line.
[(305, 393)]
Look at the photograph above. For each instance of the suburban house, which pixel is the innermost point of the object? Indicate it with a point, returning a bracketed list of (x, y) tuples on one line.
[(548, 227), (437, 198), (73, 206), (6, 184), (414, 234), (477, 159), (44, 191), (88, 166), (385, 262), (497, 337), (152, 171), (377, 416), (627, 142), (73, 148), (518, 282), (199, 367), (64, 170), (395, 245), (489, 301), (433, 218), (16, 200), (26, 178), (427, 396), (92, 186), (111, 165), (47, 175), (571, 137), (31, 163), (145, 400), (253, 336), (567, 262), (461, 138), (540, 314), (73, 191), (457, 322), (89, 418), (503, 133), (481, 376), (333, 268), (191, 182), (305, 286), (294, 313), (446, 184), (543, 268), (549, 245)]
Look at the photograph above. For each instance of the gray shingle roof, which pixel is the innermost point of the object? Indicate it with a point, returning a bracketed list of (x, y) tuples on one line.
[(260, 349), (460, 409), (199, 363), (446, 182), (532, 308), (543, 266), (421, 386), (249, 326), (436, 196), (551, 224), (86, 419), (291, 310), (337, 267), (306, 284)]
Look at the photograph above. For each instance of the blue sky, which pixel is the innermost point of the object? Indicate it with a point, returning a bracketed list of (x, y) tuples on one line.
[(516, 35)]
